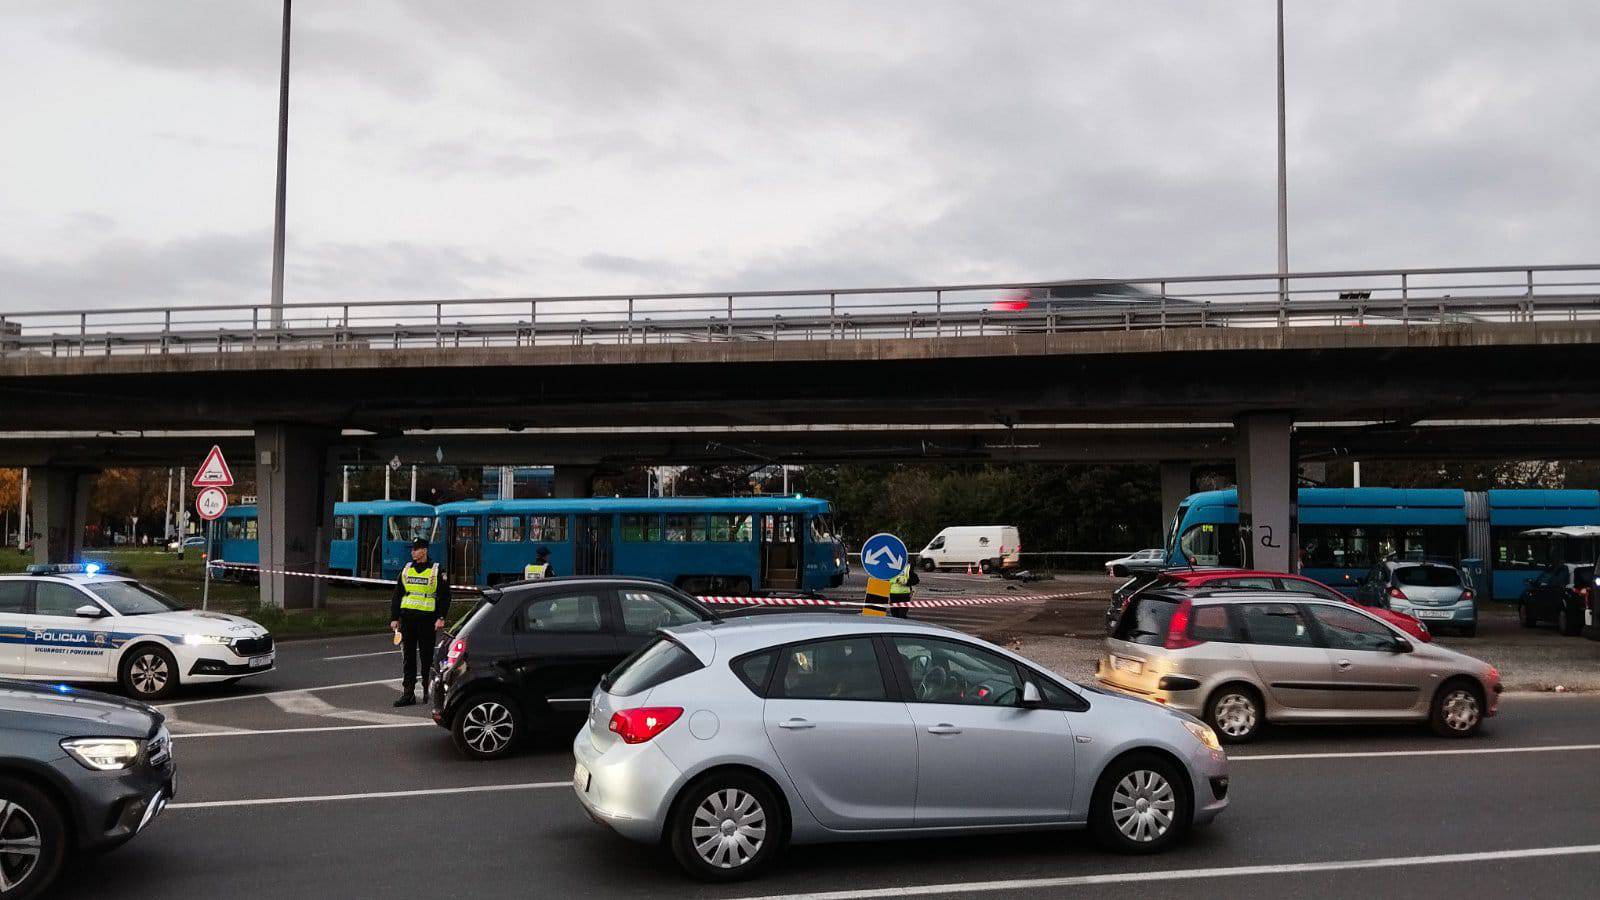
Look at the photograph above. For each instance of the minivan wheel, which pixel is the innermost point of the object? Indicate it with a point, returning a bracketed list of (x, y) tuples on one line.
[(1236, 714), (487, 726), (986, 566), (928, 565), (1139, 805), (148, 673), (33, 840), (1568, 622), (1457, 710), (726, 827)]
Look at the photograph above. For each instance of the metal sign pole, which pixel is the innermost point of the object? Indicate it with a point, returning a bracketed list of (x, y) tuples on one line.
[(205, 559)]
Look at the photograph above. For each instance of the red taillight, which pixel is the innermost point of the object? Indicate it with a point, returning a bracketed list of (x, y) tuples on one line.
[(1178, 629), (1466, 595), (458, 649), (635, 726), (1397, 594)]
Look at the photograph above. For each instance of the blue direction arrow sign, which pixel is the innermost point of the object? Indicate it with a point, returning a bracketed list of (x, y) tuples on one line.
[(884, 556)]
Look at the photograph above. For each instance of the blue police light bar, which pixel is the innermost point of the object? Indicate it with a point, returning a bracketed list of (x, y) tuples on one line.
[(62, 688), (58, 569)]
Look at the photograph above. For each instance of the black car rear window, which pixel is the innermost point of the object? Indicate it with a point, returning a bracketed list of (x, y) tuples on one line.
[(656, 663), (1146, 620), (1427, 576)]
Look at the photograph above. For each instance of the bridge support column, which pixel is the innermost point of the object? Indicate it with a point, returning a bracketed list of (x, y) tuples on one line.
[(60, 499), (294, 487), (573, 482), (1266, 463), (1177, 482)]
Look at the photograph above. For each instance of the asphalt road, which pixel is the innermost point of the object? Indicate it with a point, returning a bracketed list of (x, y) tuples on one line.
[(286, 787)]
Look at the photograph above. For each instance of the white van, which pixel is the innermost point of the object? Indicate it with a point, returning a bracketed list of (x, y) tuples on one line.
[(989, 547)]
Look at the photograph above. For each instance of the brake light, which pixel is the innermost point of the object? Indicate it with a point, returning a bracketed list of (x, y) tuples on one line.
[(1466, 595), (1397, 594), (635, 726), (458, 650), (1178, 629)]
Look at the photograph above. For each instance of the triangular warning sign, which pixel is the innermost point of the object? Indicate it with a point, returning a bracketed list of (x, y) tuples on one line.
[(214, 471)]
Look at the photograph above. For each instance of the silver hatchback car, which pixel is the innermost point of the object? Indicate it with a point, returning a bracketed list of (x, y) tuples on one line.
[(1238, 660), (728, 740)]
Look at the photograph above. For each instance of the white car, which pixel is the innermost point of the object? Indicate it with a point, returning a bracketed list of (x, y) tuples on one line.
[(62, 623), (1144, 559)]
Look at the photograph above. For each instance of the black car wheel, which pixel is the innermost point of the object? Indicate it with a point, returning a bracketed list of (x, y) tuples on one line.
[(1569, 621), (1139, 805), (33, 840), (1525, 614), (148, 673), (487, 726), (726, 827)]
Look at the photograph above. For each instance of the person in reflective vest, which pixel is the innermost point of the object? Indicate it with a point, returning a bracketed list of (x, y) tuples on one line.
[(417, 612), (900, 592), (540, 567)]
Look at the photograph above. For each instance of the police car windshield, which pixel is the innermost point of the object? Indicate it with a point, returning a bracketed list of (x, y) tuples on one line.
[(132, 599)]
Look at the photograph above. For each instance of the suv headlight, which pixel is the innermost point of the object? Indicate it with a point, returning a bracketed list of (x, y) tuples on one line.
[(193, 639), (1203, 733), (102, 754)]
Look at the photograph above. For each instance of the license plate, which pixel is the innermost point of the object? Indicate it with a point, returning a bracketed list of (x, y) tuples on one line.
[(1435, 614), (1131, 666), (260, 662), (580, 778)]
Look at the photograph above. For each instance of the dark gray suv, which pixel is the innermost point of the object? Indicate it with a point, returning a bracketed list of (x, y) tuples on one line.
[(78, 771)]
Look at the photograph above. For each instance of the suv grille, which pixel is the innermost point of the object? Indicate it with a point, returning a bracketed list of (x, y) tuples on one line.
[(253, 646)]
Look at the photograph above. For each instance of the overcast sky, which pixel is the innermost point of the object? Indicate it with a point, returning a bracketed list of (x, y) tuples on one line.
[(477, 148)]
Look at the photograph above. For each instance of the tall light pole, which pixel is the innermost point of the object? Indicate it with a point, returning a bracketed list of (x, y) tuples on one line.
[(1283, 172), (283, 172)]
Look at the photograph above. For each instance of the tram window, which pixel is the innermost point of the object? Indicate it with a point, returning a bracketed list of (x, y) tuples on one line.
[(686, 528), (1212, 545), (547, 528), (245, 529), (729, 528), (822, 528), (638, 529), (344, 528), (505, 529), (410, 528)]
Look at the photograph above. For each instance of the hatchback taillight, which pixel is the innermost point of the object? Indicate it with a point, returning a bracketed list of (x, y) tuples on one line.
[(1397, 594), (1178, 629), (457, 652), (1466, 595), (635, 726)]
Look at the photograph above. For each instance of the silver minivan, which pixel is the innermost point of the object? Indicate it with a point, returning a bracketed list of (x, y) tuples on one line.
[(1238, 660), (727, 740)]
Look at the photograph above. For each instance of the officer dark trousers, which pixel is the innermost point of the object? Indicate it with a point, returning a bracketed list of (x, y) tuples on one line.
[(417, 638)]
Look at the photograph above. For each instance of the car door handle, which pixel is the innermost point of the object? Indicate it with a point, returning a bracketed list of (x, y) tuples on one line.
[(943, 728), (795, 724), (1343, 664)]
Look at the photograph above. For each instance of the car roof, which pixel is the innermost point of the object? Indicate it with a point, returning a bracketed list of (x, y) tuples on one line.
[(72, 577), (1175, 595), (739, 635)]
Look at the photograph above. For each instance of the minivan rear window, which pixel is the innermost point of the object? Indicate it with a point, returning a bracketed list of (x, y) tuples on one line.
[(1427, 576), (656, 663), (1146, 620)]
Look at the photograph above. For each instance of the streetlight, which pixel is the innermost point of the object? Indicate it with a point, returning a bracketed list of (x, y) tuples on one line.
[(283, 172)]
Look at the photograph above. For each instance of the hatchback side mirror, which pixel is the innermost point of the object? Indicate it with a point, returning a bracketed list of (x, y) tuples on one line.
[(1401, 645), (1031, 696), (90, 611)]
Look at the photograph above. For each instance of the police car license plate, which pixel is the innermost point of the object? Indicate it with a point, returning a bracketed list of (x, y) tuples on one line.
[(1435, 614), (580, 778), (260, 662)]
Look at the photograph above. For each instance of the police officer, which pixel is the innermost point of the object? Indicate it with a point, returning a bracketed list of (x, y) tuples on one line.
[(540, 567), (417, 611), (900, 591)]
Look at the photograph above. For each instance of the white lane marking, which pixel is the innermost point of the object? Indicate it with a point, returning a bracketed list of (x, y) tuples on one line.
[(375, 795), (1190, 874), (304, 704), (320, 687), (1270, 757), (359, 655), (189, 729), (224, 731)]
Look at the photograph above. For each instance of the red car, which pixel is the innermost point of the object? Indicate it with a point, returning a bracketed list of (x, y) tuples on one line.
[(1249, 579)]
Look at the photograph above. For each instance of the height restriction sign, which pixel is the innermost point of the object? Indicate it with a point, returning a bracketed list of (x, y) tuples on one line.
[(214, 471)]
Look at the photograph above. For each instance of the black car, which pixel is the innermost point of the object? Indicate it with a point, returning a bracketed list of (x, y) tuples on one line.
[(79, 771), (530, 653), (1559, 594)]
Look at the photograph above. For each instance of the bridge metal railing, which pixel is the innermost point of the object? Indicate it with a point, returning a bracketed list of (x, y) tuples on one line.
[(1363, 298)]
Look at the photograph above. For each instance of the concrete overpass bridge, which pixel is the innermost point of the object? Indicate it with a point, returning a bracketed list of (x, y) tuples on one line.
[(1260, 369)]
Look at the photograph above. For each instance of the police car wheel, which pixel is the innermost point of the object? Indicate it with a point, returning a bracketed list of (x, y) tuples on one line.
[(33, 840), (149, 673), (487, 726)]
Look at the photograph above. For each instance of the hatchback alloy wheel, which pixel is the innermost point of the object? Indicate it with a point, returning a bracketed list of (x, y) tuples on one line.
[(20, 845), (488, 727), (729, 828), (1143, 805)]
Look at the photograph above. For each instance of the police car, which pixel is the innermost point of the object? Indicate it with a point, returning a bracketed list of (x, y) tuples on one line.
[(74, 623)]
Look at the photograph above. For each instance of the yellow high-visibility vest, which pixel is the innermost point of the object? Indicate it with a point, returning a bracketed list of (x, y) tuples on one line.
[(421, 588), (535, 570), (900, 585)]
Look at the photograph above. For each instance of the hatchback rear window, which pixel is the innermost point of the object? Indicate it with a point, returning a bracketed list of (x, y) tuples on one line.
[(1427, 576), (1146, 620), (656, 663)]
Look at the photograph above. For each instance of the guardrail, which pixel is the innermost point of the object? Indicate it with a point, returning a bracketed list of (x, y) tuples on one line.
[(1407, 297)]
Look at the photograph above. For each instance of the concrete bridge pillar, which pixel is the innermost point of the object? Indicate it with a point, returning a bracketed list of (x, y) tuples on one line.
[(1177, 482), (60, 498), (573, 482), (294, 487), (1267, 466)]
